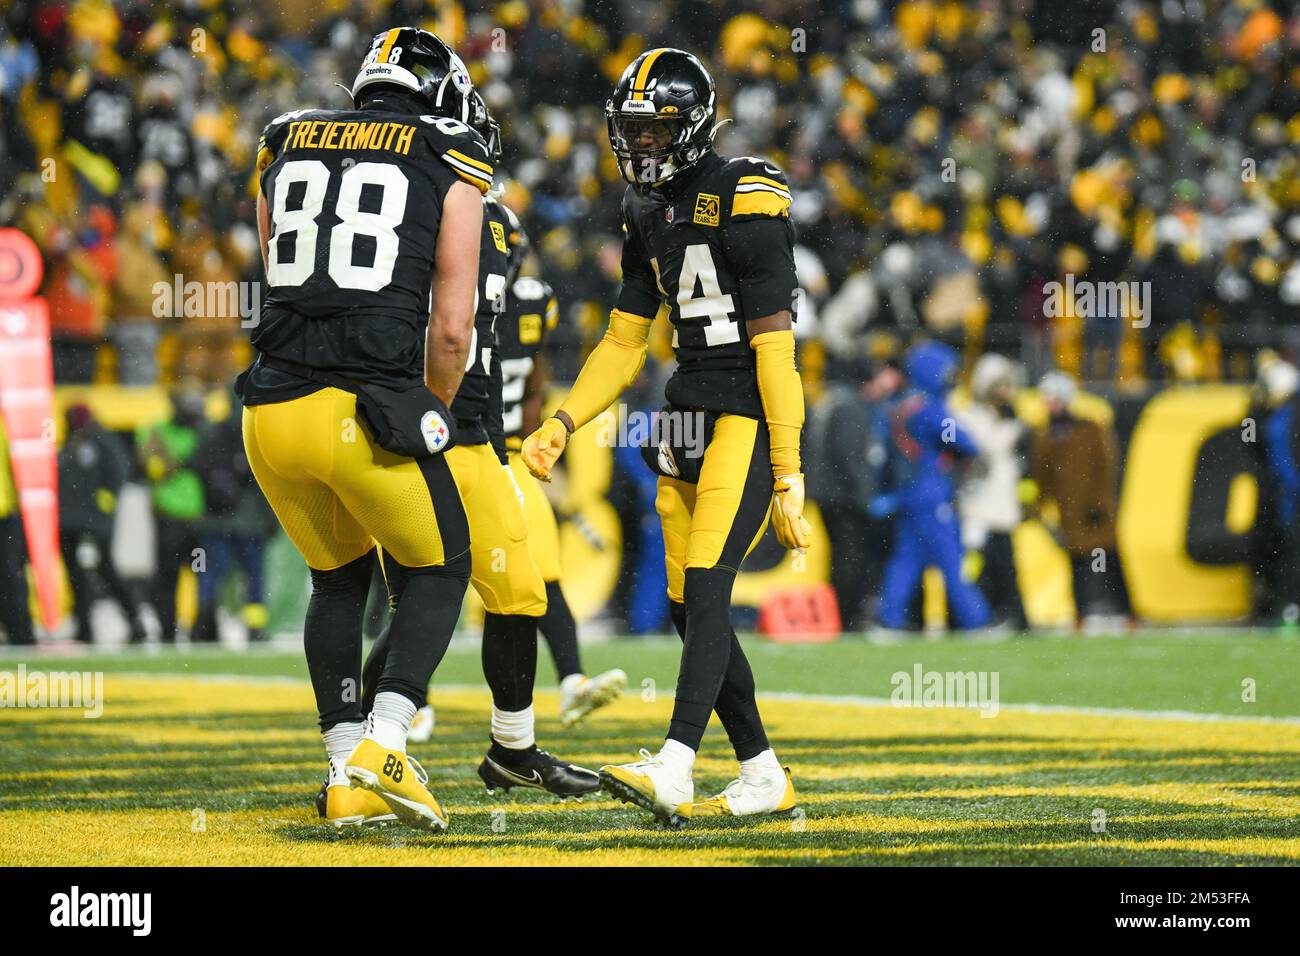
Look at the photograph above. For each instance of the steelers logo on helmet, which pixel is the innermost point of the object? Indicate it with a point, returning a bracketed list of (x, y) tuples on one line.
[(660, 117), (412, 59), (435, 431)]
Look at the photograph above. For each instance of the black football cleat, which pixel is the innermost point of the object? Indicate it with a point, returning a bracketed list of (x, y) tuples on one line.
[(503, 769)]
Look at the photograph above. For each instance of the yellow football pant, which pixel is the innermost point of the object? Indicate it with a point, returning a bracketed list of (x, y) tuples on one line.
[(543, 530), (503, 573), (718, 521), (337, 493)]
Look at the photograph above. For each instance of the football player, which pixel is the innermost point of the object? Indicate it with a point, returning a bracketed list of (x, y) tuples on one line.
[(369, 221), (710, 236), (502, 568), (531, 312)]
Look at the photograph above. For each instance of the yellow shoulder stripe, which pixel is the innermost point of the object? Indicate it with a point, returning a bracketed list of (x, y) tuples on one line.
[(760, 204), (264, 158), (765, 181), (482, 185), (471, 160)]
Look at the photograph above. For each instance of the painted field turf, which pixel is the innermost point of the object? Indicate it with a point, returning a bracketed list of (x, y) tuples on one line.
[(192, 768)]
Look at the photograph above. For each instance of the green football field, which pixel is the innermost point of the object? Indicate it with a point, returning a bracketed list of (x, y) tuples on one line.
[(1150, 749)]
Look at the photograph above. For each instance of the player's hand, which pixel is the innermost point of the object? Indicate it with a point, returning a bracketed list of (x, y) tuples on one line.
[(543, 448), (519, 492), (792, 528)]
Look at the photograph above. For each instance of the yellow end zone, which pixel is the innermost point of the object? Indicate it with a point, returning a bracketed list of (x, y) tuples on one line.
[(222, 771)]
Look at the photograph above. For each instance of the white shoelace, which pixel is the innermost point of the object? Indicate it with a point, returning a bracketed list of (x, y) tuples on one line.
[(647, 761)]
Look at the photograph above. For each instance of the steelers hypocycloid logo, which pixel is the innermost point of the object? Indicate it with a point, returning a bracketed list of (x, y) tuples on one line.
[(435, 432)]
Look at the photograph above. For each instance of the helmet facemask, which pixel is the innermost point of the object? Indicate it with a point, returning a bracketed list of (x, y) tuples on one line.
[(653, 147)]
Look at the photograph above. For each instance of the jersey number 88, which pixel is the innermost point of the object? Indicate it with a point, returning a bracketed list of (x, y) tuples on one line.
[(380, 226)]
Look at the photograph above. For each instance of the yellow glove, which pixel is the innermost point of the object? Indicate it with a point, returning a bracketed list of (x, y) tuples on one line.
[(792, 528), (543, 447), (105, 500)]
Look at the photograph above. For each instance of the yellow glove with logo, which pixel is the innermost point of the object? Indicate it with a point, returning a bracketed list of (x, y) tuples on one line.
[(792, 528), (543, 447)]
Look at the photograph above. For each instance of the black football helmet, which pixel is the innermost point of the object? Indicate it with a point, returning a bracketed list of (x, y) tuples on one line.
[(661, 116), (483, 124), (416, 60)]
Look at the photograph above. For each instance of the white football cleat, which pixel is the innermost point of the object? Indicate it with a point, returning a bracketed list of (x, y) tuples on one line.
[(422, 726), (758, 790), (591, 693), (653, 784)]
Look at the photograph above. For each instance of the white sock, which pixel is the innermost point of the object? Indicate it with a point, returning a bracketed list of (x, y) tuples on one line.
[(764, 763), (677, 754), (513, 729), (572, 684), (390, 720), (342, 739)]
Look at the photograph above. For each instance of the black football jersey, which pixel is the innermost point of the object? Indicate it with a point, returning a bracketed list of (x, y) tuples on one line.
[(355, 201), (478, 398), (719, 249), (531, 312)]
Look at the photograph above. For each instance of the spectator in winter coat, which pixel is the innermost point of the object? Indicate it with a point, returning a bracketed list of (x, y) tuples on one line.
[(235, 527), (928, 446), (93, 466), (846, 437), (1076, 469), (989, 499), (165, 450)]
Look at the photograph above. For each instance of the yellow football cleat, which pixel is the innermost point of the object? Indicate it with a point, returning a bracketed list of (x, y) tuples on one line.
[(591, 693), (399, 781), (751, 795), (653, 785), (345, 807)]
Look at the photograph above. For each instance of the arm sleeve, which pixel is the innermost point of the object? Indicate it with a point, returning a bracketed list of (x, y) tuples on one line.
[(611, 367), (781, 392)]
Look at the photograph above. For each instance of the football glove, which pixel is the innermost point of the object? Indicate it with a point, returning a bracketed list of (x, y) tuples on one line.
[(543, 447), (792, 528)]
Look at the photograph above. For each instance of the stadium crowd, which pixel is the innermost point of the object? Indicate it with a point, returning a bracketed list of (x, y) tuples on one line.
[(948, 160)]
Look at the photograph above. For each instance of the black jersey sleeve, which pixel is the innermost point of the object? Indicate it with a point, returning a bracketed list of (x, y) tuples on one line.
[(272, 139), (640, 292), (759, 240)]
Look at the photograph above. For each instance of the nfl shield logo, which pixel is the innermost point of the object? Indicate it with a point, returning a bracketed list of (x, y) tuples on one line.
[(669, 214)]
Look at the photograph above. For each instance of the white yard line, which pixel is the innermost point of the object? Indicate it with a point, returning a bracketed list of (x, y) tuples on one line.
[(854, 699)]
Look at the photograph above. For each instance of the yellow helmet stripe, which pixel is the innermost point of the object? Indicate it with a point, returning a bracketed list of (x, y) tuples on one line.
[(643, 74), (388, 45)]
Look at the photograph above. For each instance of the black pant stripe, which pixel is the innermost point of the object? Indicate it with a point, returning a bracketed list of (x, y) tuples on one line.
[(448, 510)]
